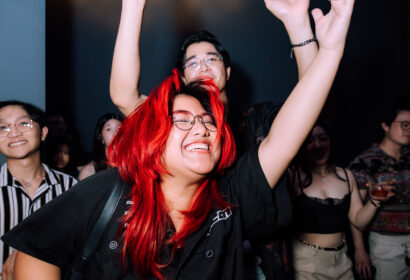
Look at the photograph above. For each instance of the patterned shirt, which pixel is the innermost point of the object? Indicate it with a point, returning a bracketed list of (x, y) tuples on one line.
[(16, 205), (376, 165)]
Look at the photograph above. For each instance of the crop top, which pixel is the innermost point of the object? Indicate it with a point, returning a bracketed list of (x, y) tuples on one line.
[(316, 215)]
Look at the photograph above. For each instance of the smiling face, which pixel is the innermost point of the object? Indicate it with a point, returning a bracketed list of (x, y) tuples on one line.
[(109, 130), (20, 144), (192, 153), (215, 70), (317, 150)]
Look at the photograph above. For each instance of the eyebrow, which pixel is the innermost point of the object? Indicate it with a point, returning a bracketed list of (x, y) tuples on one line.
[(188, 112), (208, 53), (17, 119)]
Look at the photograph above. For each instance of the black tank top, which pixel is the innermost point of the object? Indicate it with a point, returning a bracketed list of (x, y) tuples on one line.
[(316, 215)]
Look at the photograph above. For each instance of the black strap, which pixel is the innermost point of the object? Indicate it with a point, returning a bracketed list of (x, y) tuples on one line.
[(348, 181), (96, 233)]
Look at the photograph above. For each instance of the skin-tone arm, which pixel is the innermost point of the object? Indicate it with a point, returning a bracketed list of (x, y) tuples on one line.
[(125, 72), (361, 258), (28, 268), (303, 106), (7, 272), (87, 171), (294, 15)]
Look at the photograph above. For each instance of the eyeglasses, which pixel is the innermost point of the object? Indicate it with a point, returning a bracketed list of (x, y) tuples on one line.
[(22, 125), (405, 125), (185, 120), (195, 63)]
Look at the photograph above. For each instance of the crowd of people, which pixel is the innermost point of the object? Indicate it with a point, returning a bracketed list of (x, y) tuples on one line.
[(200, 181)]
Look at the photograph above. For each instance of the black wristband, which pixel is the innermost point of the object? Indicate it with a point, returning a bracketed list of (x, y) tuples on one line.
[(374, 203), (301, 44)]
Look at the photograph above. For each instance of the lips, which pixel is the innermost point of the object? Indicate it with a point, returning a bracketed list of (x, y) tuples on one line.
[(197, 147)]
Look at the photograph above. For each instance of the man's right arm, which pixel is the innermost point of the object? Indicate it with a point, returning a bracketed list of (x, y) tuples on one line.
[(125, 72)]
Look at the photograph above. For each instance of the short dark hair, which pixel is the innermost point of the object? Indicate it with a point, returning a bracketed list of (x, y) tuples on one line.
[(402, 104), (197, 37), (35, 113)]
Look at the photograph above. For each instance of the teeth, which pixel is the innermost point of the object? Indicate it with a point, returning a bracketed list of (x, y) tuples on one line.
[(16, 143), (197, 146)]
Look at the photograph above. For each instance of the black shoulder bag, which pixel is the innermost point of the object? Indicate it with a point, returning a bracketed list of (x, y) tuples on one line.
[(94, 238)]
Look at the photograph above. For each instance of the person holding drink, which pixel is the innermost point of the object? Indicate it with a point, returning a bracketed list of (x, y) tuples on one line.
[(380, 170), (326, 199)]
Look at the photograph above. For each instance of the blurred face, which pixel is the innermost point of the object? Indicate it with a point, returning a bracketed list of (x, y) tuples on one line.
[(62, 157), (318, 147), (395, 132), (20, 144), (203, 61), (192, 153), (109, 130)]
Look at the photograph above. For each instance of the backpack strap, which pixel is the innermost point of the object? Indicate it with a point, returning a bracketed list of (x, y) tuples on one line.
[(94, 238)]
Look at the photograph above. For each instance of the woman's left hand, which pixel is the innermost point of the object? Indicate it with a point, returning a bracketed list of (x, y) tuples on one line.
[(331, 29)]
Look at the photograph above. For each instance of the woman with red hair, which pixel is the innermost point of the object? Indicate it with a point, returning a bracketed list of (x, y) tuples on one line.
[(187, 207)]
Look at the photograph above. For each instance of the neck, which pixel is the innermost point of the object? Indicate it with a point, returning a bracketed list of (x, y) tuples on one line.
[(27, 171), (178, 196), (391, 148), (224, 98), (321, 170)]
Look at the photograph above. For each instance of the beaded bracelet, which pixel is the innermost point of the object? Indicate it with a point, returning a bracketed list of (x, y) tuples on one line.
[(301, 44)]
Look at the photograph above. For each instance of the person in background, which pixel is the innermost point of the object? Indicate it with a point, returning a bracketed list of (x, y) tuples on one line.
[(26, 183), (384, 163), (105, 130), (62, 157), (326, 198)]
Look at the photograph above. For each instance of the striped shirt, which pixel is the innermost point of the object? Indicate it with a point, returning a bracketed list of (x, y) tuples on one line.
[(16, 205)]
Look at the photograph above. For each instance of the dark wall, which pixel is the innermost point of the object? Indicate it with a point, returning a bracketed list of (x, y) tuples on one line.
[(374, 70)]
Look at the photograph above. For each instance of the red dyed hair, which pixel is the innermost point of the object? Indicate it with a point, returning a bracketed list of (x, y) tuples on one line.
[(137, 150)]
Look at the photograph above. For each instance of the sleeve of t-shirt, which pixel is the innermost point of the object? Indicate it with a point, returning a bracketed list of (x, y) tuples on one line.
[(361, 172), (57, 231), (246, 187)]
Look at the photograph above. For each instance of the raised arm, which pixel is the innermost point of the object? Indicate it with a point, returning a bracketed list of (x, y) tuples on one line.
[(302, 107), (294, 15), (125, 72), (28, 267)]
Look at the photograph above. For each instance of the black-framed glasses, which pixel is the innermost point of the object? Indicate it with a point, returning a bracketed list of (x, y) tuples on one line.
[(21, 125), (210, 60), (405, 125), (185, 120)]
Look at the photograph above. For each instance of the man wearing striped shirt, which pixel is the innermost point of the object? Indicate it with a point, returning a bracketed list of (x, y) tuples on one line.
[(26, 184)]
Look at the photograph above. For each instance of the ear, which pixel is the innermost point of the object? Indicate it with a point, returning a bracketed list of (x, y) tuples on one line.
[(228, 72), (44, 132), (385, 127)]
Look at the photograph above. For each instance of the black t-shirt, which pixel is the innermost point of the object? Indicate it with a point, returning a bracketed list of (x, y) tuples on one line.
[(57, 232)]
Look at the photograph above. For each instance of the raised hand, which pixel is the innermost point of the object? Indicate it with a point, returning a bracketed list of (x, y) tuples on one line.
[(331, 29), (288, 11)]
